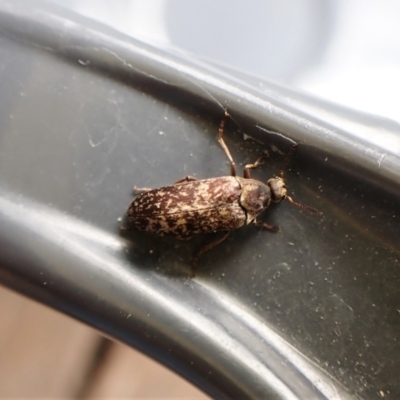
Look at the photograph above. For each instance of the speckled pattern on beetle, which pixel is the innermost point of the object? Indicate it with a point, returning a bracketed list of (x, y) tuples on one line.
[(192, 206), (199, 206)]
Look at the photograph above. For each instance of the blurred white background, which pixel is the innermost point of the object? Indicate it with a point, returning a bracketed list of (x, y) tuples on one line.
[(346, 51)]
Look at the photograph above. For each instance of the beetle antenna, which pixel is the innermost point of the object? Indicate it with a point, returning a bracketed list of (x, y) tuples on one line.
[(287, 160), (304, 207)]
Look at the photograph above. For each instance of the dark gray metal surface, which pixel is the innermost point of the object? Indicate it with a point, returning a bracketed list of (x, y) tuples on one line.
[(311, 312)]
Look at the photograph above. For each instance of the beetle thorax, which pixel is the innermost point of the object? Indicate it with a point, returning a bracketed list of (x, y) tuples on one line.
[(254, 198), (278, 189)]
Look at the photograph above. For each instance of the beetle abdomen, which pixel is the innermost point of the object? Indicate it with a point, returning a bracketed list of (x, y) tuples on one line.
[(188, 208)]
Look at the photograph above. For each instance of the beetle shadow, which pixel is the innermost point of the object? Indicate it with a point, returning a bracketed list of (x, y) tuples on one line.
[(239, 247), (172, 257), (165, 255)]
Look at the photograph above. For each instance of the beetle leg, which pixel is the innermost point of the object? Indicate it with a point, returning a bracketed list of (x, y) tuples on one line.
[(186, 179), (205, 248), (246, 172), (267, 226), (223, 145)]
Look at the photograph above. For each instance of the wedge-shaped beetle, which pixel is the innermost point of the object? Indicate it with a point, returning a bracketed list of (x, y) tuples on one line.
[(192, 206)]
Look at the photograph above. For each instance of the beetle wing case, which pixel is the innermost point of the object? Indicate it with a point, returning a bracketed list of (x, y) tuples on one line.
[(188, 208)]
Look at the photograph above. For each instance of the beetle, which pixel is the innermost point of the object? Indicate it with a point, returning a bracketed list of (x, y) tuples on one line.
[(191, 206)]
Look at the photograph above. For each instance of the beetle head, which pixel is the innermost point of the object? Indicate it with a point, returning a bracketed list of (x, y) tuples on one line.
[(279, 193)]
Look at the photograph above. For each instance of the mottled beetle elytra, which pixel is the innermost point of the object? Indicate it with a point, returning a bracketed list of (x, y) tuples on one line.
[(191, 206)]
